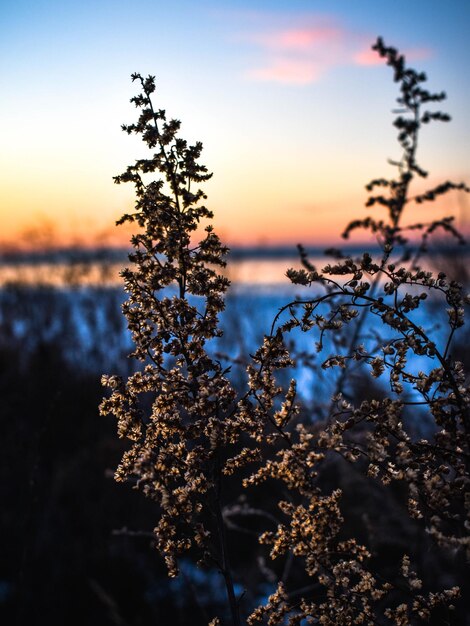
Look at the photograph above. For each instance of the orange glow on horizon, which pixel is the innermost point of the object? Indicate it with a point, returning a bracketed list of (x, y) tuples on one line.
[(311, 225)]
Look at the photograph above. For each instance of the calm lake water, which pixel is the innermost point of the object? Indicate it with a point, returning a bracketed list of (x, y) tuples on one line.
[(248, 271), (81, 314), (262, 268)]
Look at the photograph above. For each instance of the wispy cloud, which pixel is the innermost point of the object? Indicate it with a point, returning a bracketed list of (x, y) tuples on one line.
[(367, 56), (289, 71), (298, 39), (301, 53), (298, 54)]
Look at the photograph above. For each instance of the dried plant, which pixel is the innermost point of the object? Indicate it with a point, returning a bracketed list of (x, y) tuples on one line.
[(176, 456), (198, 442)]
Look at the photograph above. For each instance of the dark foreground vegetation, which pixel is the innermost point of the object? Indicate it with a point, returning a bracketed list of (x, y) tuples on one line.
[(321, 478)]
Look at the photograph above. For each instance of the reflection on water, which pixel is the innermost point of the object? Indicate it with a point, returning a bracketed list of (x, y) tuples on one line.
[(61, 274), (262, 271), (241, 271), (255, 270)]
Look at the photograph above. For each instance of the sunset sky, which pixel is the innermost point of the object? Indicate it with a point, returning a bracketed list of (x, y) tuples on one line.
[(292, 108)]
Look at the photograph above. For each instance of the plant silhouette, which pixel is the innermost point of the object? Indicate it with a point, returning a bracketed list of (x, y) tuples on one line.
[(261, 465)]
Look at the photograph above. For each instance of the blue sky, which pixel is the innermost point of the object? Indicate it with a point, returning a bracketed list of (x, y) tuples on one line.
[(292, 110)]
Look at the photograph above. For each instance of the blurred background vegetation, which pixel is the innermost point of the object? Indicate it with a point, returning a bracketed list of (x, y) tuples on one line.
[(77, 547)]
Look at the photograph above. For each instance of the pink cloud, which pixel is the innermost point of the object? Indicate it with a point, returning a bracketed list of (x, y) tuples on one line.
[(368, 57), (371, 57), (302, 53), (297, 55), (295, 72), (298, 39)]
